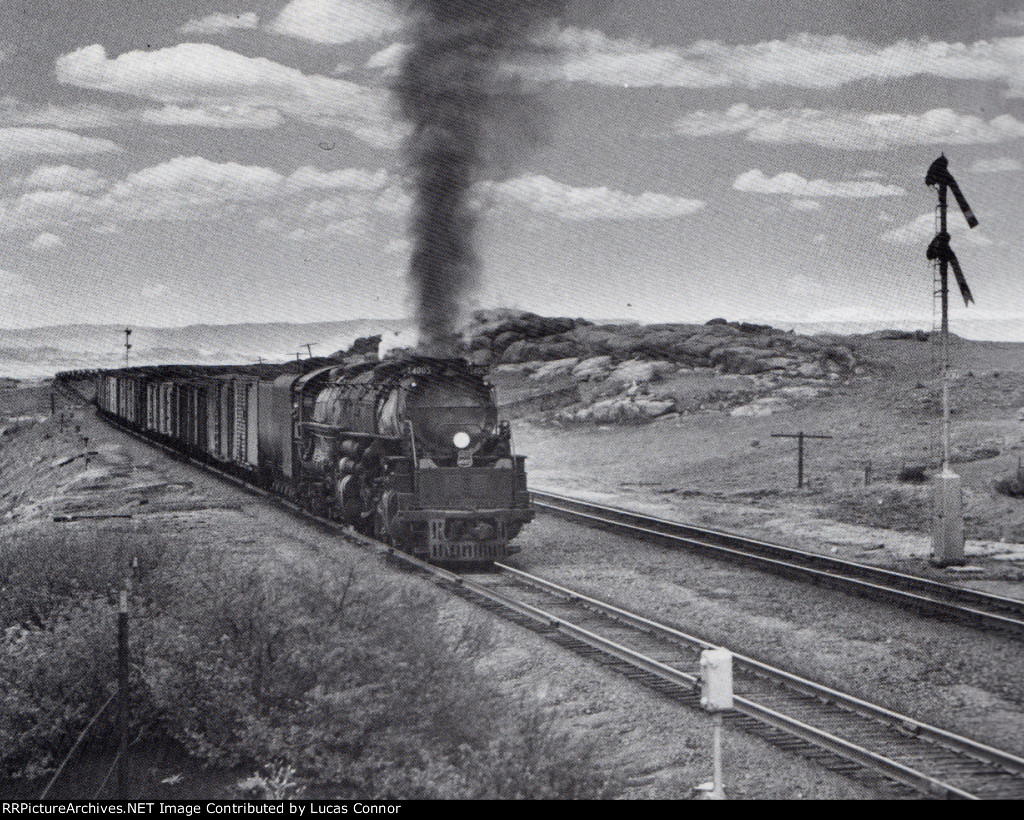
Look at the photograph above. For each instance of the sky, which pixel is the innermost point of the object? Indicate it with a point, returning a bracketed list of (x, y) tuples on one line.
[(170, 162)]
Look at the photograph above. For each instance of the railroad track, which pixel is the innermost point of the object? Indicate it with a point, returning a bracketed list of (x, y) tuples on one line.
[(923, 595), (841, 732)]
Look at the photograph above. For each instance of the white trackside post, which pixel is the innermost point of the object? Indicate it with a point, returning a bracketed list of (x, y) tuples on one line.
[(716, 697)]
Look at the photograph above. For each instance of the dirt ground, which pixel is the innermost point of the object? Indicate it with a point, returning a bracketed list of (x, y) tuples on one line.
[(727, 471), (662, 749)]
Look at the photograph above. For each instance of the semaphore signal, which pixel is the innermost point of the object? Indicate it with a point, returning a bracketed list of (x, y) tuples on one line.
[(948, 536)]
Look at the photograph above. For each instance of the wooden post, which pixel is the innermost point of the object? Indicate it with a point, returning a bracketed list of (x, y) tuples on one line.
[(800, 459), (122, 695), (800, 437), (718, 792)]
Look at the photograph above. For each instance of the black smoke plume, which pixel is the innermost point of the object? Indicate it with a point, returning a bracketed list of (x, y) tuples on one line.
[(469, 115)]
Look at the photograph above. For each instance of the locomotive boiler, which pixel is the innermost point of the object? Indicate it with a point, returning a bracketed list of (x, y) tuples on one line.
[(409, 450)]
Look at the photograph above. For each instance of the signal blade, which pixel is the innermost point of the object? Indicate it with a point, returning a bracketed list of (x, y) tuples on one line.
[(960, 279), (972, 220), (938, 247)]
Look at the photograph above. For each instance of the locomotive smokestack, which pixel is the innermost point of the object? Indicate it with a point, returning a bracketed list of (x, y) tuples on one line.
[(467, 112)]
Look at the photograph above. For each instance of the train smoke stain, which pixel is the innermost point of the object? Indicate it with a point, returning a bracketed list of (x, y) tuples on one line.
[(469, 114)]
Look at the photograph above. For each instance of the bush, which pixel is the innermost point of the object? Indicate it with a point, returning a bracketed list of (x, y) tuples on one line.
[(530, 759), (310, 668), (348, 682), (54, 677), (1012, 486), (43, 571), (914, 474)]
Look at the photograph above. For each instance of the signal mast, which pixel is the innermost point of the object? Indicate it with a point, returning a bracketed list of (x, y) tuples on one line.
[(948, 532)]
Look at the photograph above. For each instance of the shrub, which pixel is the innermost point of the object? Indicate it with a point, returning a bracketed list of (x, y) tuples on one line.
[(54, 677), (914, 474), (530, 758), (43, 571), (310, 671), (313, 669), (1012, 486)]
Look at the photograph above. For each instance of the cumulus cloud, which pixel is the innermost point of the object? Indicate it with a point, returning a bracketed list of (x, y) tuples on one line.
[(182, 188), (388, 60), (803, 61), (65, 178), (998, 165), (225, 116), (805, 205), (219, 23), (920, 231), (794, 185), (340, 229), (46, 242), (194, 188), (185, 187), (865, 131), (28, 141), (354, 178), (78, 115), (337, 21), (226, 84), (545, 195), (394, 200), (91, 115)]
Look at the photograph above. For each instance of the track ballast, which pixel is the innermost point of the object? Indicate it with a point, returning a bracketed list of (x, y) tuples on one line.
[(952, 603)]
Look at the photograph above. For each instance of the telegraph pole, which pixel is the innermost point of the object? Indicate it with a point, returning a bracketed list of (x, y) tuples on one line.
[(800, 436)]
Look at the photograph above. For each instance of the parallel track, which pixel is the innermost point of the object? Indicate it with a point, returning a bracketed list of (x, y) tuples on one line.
[(797, 713), (952, 603), (843, 733)]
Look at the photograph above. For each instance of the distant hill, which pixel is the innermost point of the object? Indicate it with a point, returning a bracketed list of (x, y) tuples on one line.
[(962, 323), (42, 351)]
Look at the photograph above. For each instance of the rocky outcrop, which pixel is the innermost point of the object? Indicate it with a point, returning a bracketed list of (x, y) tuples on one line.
[(618, 409), (635, 372), (513, 337)]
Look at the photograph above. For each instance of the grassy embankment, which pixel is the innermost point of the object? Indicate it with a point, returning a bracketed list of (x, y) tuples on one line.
[(315, 672)]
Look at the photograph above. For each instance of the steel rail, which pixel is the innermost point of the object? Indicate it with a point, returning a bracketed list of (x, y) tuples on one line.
[(549, 623), (1011, 763), (817, 737), (924, 595)]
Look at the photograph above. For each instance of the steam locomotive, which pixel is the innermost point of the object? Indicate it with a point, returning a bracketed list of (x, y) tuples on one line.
[(409, 450)]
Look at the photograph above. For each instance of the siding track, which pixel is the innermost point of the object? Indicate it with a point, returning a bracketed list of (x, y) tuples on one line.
[(842, 732), (952, 603)]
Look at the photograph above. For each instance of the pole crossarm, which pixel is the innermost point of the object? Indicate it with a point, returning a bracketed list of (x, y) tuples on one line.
[(800, 436)]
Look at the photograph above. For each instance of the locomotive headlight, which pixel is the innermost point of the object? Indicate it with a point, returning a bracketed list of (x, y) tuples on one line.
[(461, 440)]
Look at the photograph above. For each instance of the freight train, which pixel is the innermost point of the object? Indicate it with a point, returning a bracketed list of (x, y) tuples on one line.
[(409, 450)]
